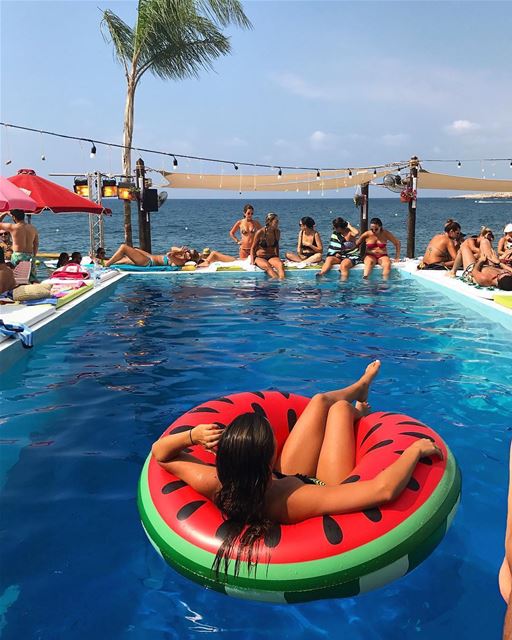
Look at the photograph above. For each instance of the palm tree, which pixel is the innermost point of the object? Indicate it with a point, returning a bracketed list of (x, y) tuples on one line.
[(173, 39)]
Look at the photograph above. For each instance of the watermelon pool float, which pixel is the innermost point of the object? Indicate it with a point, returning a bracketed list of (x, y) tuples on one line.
[(323, 557)]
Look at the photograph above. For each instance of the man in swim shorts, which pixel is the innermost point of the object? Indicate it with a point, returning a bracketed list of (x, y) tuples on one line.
[(25, 240)]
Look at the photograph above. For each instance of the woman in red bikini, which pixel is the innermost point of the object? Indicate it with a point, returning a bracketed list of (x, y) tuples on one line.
[(376, 239)]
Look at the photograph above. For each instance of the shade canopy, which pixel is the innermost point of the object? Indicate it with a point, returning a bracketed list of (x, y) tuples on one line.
[(427, 180), (51, 196), (290, 182), (11, 197), (328, 180)]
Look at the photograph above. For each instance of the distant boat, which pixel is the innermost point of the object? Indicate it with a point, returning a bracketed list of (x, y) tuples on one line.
[(493, 201)]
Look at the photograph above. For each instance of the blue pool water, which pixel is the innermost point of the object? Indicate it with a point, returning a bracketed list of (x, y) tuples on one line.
[(80, 413)]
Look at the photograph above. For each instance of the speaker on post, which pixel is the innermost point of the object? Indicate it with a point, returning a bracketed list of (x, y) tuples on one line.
[(150, 200)]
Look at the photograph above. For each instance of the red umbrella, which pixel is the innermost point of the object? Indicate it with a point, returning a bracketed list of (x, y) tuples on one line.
[(13, 198), (49, 195)]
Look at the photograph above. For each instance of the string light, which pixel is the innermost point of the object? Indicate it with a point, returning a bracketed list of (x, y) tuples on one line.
[(318, 174), (43, 157), (235, 166), (459, 164), (375, 173), (93, 150), (350, 173), (279, 173), (174, 162)]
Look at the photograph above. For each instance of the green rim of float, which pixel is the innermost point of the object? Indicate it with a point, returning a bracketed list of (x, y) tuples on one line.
[(369, 566)]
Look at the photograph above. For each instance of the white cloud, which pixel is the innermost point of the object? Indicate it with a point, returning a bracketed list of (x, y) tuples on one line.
[(460, 127), (394, 139), (319, 140), (300, 87), (235, 141)]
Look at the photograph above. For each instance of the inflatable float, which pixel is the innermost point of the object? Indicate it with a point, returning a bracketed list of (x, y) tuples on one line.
[(323, 557)]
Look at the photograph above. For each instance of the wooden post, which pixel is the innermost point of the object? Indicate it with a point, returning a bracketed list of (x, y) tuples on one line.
[(144, 222), (411, 221), (363, 218)]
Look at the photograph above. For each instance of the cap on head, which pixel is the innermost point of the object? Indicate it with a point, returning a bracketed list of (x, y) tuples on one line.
[(508, 228)]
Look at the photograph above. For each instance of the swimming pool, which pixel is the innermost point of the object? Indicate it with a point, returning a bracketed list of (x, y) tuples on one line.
[(78, 422)]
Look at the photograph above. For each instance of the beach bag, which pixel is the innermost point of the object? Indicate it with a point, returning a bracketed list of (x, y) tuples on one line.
[(72, 271), (30, 292)]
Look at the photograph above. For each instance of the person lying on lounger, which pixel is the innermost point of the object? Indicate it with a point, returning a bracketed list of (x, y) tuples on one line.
[(505, 246), (441, 251), (482, 270), (175, 257)]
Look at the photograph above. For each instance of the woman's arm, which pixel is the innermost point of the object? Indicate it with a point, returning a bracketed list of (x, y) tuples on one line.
[(353, 229), (362, 238), (308, 500), (299, 242), (317, 242), (255, 243), (234, 229), (395, 241)]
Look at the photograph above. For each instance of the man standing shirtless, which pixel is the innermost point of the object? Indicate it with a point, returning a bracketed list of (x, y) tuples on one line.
[(25, 240)]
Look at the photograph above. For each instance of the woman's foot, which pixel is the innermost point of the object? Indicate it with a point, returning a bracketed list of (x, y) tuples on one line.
[(367, 378), (363, 408)]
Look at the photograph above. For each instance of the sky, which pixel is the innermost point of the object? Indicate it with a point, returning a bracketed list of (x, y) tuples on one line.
[(320, 84)]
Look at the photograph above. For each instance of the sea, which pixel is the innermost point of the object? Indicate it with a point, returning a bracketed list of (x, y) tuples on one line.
[(201, 223)]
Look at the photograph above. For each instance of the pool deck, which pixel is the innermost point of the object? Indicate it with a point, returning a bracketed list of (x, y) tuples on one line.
[(47, 319)]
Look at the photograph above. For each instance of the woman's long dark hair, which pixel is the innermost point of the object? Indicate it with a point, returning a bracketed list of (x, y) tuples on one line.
[(244, 466)]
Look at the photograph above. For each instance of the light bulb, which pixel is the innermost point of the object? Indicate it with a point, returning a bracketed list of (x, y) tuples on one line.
[(43, 157), (318, 174), (93, 151), (350, 173), (279, 173), (236, 166), (375, 173), (174, 162), (459, 164)]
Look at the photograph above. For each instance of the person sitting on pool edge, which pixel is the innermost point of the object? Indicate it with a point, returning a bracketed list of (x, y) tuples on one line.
[(254, 487), (376, 239), (342, 248), (481, 271), (441, 251), (309, 243), (175, 257), (265, 248), (505, 245)]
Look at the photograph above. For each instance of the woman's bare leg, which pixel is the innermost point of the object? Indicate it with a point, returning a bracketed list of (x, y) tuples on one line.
[(385, 263), (293, 257), (314, 259), (217, 256), (137, 256), (301, 450), (338, 453), (278, 265), (265, 266), (345, 267), (329, 263), (368, 262)]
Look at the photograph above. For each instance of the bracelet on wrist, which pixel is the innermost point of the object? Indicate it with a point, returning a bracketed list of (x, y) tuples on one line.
[(190, 436)]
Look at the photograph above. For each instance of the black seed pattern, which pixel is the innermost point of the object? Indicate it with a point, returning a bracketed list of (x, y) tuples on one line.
[(417, 434), (372, 430), (184, 427), (427, 461), (413, 485), (203, 410), (257, 408), (399, 452), (226, 400), (260, 394), (350, 479), (173, 486), (292, 419), (374, 514), (273, 536), (389, 413), (413, 423), (285, 394), (190, 508), (224, 530), (383, 443), (332, 530)]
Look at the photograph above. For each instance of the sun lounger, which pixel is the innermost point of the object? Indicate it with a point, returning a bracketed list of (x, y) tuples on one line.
[(22, 272)]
